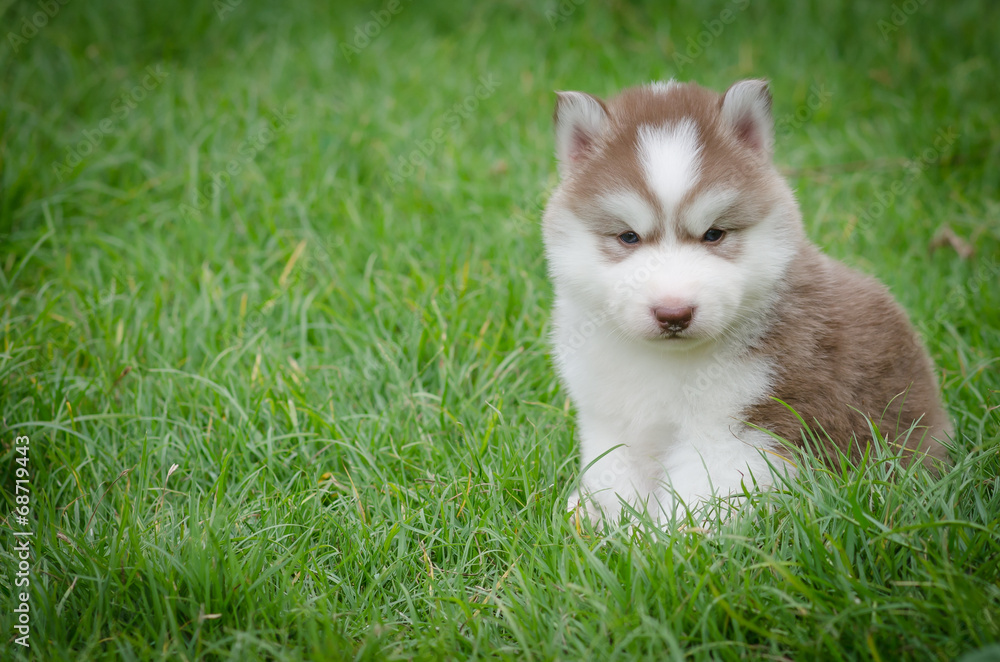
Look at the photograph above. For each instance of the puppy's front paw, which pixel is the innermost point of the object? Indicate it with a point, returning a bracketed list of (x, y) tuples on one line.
[(583, 508)]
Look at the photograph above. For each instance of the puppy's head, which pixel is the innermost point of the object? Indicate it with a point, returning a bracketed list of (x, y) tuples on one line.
[(670, 220)]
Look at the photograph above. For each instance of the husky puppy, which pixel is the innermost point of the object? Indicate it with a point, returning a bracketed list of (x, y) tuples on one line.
[(689, 302)]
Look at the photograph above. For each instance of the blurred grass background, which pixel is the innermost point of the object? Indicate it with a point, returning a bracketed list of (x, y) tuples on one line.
[(294, 251)]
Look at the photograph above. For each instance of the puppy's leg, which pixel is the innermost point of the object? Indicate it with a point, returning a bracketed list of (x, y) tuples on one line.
[(612, 472)]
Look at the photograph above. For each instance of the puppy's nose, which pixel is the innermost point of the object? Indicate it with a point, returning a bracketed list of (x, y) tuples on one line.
[(673, 318)]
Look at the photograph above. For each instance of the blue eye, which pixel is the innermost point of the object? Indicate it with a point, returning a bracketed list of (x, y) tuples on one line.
[(713, 236), (629, 237)]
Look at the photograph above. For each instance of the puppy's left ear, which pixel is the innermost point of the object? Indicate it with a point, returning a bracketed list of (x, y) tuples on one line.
[(746, 109), (581, 120)]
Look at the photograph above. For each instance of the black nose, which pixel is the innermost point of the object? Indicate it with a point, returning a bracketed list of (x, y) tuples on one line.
[(673, 319)]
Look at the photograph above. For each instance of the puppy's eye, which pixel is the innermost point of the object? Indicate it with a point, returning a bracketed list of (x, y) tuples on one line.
[(628, 237), (713, 236)]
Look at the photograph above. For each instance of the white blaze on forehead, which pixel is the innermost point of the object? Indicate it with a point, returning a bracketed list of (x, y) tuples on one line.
[(671, 158), (630, 208), (704, 210)]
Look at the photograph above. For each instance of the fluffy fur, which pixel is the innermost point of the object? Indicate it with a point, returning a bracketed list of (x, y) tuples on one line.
[(688, 298)]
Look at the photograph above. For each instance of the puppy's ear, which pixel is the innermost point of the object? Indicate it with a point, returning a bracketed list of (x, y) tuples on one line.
[(746, 109), (581, 120)]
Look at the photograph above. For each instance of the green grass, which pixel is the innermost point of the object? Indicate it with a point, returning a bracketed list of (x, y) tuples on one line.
[(344, 354)]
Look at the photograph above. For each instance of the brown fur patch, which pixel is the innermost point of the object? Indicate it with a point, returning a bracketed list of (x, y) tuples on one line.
[(841, 341)]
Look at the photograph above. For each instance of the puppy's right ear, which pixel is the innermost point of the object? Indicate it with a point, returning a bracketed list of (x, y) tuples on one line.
[(581, 120)]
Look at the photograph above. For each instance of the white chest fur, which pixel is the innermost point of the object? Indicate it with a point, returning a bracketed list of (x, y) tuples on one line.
[(658, 424)]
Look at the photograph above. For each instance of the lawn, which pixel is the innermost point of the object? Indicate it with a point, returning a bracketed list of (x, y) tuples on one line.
[(274, 319)]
